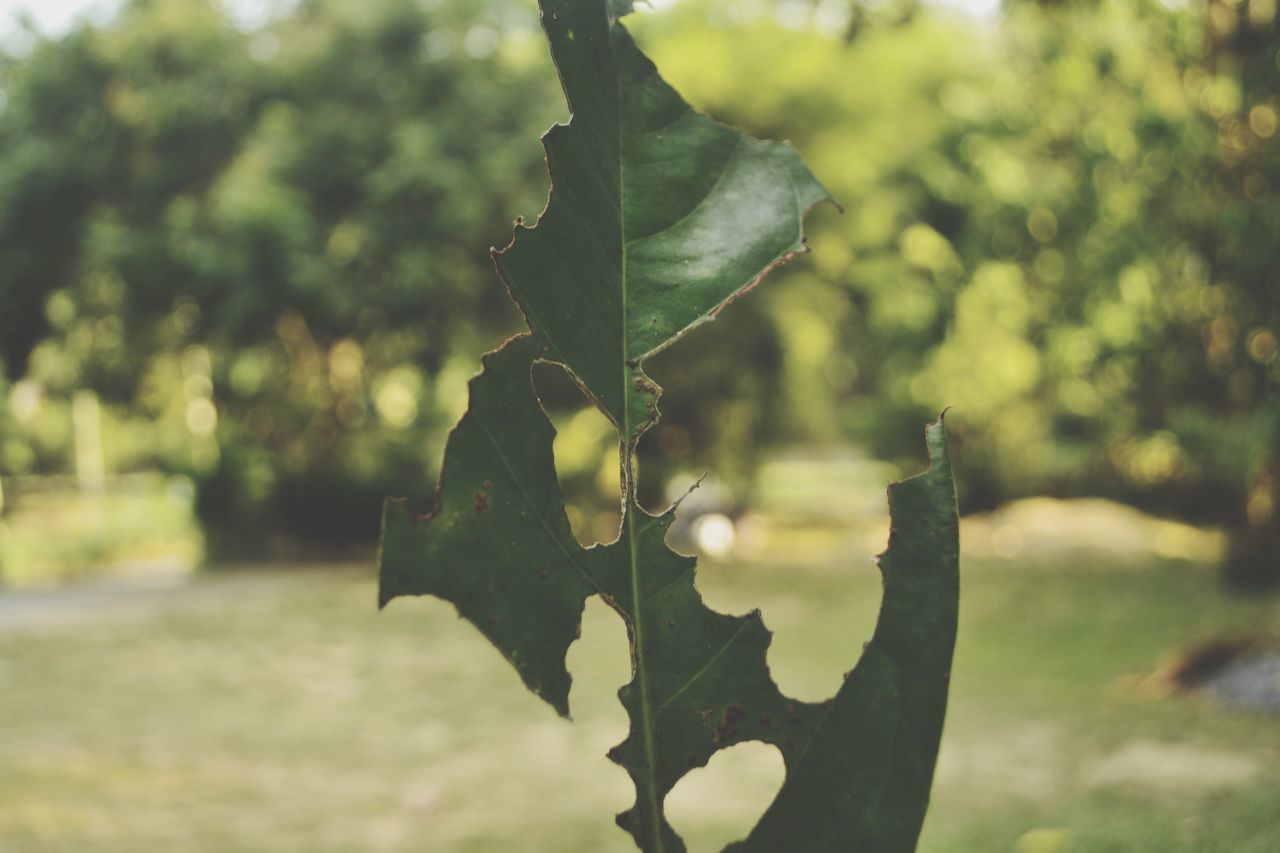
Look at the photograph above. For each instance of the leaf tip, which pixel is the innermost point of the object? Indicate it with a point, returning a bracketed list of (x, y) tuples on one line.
[(935, 435), (389, 586), (675, 505)]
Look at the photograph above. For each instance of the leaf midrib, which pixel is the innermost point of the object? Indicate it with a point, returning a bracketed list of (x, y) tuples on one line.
[(630, 506)]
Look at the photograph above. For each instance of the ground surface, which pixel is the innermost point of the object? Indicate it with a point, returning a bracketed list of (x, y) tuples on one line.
[(277, 710), (1253, 682)]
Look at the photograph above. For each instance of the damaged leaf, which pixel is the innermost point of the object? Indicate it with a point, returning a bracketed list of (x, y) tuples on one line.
[(657, 218)]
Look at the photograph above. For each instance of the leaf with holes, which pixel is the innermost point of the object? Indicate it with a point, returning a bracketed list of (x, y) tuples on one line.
[(657, 218)]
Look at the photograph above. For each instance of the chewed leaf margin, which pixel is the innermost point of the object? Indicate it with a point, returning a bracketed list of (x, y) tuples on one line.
[(498, 543), (628, 253)]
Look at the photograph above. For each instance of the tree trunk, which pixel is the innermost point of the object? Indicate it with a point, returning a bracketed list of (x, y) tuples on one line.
[(1253, 555)]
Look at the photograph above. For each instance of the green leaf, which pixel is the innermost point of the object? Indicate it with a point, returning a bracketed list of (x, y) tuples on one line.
[(657, 217), (862, 783), (500, 548), (498, 544)]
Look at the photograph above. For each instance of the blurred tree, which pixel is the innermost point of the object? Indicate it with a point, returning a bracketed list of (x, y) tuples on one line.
[(1237, 228), (1060, 223), (254, 244)]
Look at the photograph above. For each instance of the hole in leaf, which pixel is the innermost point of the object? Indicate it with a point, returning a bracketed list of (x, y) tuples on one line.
[(819, 635), (821, 614), (722, 399), (799, 547), (600, 663), (718, 804), (586, 454), (804, 555)]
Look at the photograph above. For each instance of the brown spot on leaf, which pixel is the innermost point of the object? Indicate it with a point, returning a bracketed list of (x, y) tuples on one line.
[(482, 502), (728, 727)]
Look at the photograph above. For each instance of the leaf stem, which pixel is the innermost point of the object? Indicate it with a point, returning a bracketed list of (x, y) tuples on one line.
[(630, 505)]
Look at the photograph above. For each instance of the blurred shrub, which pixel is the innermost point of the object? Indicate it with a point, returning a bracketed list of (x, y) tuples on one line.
[(1062, 223), (257, 245), (142, 526)]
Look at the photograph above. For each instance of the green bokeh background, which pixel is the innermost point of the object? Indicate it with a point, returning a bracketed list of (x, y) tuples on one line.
[(244, 279), (266, 251)]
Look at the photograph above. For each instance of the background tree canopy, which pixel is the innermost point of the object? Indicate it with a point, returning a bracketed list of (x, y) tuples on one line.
[(267, 250)]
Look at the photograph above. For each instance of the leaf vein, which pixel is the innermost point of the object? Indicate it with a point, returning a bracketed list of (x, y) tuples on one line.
[(497, 448), (710, 663)]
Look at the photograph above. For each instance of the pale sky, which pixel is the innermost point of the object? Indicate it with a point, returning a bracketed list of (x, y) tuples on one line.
[(54, 17)]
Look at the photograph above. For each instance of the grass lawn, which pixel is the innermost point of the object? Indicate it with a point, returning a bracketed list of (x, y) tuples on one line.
[(277, 710)]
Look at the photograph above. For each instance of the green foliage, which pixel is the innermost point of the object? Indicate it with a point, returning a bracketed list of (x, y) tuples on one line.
[(1057, 223), (242, 242), (56, 536), (657, 218), (1060, 222)]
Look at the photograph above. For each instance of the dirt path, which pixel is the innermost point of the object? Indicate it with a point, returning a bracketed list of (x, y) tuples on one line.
[(140, 595), (34, 610)]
